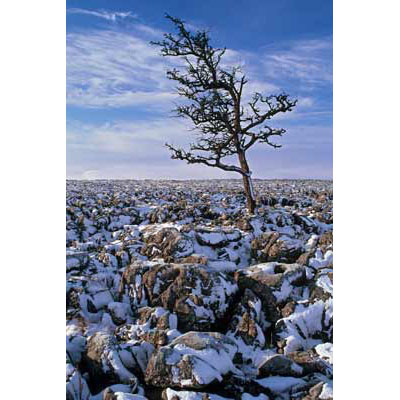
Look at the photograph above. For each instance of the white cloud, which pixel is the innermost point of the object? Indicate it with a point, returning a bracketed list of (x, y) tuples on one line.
[(137, 138), (148, 30), (308, 61), (136, 150), (305, 102), (90, 174), (130, 150), (115, 69), (107, 15), (108, 68)]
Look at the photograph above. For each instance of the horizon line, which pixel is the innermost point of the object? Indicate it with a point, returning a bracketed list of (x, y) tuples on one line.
[(197, 179)]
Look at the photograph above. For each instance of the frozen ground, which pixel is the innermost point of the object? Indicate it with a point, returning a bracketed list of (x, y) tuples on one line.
[(175, 292)]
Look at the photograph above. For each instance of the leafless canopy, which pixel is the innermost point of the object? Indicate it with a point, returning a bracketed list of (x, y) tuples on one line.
[(214, 94)]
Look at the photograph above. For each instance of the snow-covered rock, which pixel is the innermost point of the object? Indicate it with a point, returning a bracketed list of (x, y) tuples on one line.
[(192, 360), (148, 261), (170, 394), (197, 295), (307, 327), (77, 388)]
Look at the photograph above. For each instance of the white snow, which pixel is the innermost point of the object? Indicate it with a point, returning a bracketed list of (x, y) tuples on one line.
[(321, 260), (280, 383), (325, 283), (247, 396), (114, 235), (325, 350), (185, 395), (327, 391), (129, 396), (309, 321)]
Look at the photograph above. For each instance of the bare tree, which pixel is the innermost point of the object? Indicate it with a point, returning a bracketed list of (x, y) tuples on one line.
[(225, 127)]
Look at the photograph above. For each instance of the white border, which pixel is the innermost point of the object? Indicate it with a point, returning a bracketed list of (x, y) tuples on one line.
[(33, 200), (366, 176), (366, 147)]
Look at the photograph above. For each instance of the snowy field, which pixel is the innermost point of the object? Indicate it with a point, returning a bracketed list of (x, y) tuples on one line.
[(175, 292)]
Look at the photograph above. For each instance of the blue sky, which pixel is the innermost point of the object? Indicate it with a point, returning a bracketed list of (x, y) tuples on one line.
[(119, 100)]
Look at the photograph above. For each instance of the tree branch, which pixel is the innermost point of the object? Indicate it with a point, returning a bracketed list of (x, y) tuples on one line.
[(180, 154)]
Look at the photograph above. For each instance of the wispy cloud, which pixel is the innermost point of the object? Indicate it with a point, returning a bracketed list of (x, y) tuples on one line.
[(126, 149), (104, 14), (136, 150), (137, 138), (307, 61), (114, 69)]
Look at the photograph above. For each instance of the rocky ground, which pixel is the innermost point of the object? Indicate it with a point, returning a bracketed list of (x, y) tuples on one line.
[(175, 292)]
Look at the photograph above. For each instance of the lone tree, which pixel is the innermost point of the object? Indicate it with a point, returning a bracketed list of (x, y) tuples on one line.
[(225, 127)]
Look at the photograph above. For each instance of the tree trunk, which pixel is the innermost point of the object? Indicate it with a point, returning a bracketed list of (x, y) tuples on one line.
[(247, 183), (248, 188)]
